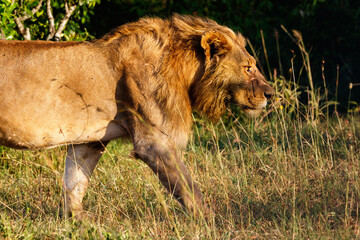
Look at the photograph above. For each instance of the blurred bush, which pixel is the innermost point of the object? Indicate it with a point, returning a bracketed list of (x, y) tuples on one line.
[(33, 15)]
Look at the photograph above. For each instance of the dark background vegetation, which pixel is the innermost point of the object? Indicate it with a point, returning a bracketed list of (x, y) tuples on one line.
[(330, 29)]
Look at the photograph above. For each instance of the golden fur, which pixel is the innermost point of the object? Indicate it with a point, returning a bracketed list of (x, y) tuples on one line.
[(141, 81)]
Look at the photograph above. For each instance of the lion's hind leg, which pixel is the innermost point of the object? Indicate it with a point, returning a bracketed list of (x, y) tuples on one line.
[(79, 165)]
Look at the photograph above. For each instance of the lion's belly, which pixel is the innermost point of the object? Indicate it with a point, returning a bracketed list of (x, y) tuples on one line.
[(46, 134)]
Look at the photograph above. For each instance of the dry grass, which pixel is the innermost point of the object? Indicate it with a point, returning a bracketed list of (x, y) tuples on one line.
[(265, 180)]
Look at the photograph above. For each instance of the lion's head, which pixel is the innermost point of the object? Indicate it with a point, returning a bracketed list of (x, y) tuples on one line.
[(229, 71)]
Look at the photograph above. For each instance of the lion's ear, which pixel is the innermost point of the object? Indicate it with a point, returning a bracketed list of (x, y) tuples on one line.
[(214, 44)]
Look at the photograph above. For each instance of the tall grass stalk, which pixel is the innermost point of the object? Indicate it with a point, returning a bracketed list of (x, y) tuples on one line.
[(313, 96), (337, 87), (265, 53)]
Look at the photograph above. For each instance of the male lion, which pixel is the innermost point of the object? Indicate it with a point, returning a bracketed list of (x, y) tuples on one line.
[(140, 81)]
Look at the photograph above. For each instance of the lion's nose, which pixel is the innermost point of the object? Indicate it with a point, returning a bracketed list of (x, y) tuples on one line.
[(261, 88), (269, 92)]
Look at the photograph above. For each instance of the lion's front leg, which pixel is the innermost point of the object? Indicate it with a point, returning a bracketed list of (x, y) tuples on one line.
[(166, 163), (79, 165)]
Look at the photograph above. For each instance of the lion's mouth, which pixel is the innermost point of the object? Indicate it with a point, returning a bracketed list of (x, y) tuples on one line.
[(252, 111), (249, 108)]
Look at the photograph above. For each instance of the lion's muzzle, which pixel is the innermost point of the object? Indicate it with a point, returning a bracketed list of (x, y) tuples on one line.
[(262, 88)]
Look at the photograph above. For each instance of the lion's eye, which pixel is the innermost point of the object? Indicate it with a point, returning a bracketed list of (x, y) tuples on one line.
[(248, 69)]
